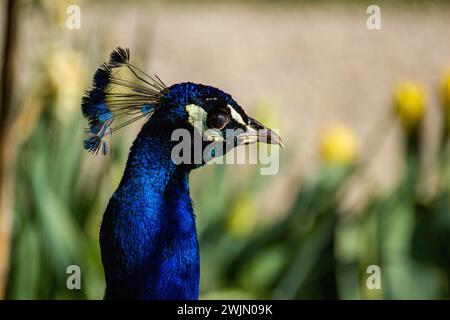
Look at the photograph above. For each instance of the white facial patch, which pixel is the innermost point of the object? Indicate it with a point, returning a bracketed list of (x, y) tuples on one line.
[(197, 118), (236, 116)]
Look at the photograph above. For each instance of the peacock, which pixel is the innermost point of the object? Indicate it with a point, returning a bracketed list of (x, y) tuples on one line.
[(148, 238)]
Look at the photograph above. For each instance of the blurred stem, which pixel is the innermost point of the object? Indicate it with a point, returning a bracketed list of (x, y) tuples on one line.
[(412, 174), (444, 143), (6, 150)]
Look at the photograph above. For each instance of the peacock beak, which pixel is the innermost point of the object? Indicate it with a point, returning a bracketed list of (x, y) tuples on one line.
[(257, 132)]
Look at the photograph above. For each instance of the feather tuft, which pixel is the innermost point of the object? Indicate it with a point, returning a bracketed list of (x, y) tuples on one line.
[(113, 96), (92, 143), (119, 56)]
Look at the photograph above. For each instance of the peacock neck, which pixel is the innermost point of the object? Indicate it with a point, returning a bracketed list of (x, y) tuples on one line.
[(149, 159), (153, 218)]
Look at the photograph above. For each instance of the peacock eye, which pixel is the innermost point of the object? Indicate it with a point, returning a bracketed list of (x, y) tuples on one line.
[(217, 120)]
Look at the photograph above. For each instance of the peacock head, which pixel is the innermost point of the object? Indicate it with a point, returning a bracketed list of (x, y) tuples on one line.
[(206, 121), (212, 119)]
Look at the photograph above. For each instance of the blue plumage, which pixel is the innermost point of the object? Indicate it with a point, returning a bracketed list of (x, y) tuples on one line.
[(148, 237)]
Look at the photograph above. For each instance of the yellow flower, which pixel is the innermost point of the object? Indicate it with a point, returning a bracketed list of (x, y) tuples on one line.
[(338, 145), (242, 218), (66, 76), (410, 104)]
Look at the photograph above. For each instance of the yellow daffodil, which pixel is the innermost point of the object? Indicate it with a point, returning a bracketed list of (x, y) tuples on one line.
[(242, 218), (66, 76), (410, 104), (338, 145)]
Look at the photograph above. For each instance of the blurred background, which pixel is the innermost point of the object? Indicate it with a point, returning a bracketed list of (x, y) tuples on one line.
[(364, 178)]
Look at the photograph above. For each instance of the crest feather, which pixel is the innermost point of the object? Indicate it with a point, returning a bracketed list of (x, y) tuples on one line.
[(114, 96)]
